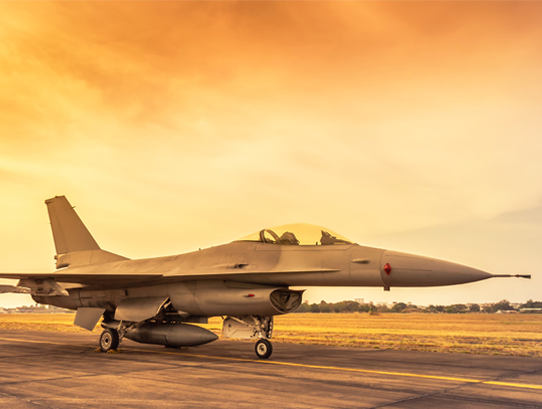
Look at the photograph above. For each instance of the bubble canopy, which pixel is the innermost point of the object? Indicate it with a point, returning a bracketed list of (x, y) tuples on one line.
[(297, 234)]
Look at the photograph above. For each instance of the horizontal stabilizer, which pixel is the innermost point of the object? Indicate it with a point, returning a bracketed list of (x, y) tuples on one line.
[(45, 286), (14, 289)]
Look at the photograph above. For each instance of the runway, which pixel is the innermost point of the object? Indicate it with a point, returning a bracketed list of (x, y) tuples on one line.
[(61, 370)]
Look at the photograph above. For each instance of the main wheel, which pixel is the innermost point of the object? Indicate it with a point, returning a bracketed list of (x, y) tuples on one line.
[(109, 340), (264, 349)]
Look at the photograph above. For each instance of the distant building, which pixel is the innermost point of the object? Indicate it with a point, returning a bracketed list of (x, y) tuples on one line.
[(530, 310), (38, 309), (359, 300)]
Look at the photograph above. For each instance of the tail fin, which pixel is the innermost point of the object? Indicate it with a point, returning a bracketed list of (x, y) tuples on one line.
[(74, 244), (69, 232)]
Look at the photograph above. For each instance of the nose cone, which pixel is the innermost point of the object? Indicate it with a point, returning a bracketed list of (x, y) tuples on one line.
[(409, 270)]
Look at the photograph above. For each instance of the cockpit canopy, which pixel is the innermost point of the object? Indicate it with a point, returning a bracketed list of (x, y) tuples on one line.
[(297, 234)]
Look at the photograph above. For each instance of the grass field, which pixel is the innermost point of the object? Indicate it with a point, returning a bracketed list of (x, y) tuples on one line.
[(514, 334)]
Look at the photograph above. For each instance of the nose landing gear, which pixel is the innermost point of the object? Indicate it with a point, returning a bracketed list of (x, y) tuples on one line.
[(251, 327), (263, 349)]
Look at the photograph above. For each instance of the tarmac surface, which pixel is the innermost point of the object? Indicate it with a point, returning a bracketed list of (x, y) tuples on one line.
[(61, 370)]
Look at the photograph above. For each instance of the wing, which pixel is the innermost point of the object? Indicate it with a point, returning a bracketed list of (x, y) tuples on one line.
[(117, 279), (85, 278)]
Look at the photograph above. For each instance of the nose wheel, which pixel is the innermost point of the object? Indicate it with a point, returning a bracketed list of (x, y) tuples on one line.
[(263, 349)]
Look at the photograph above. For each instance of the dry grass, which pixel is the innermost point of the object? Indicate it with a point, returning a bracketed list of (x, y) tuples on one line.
[(518, 334), (41, 322)]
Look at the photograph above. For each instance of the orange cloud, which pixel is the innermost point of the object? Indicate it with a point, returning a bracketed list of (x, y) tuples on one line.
[(402, 96), (142, 58)]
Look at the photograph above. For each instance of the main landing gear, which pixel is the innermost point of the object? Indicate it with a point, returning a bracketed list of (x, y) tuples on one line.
[(263, 349), (113, 334), (109, 340)]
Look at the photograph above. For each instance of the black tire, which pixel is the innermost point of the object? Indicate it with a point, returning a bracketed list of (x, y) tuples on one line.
[(263, 349), (109, 340)]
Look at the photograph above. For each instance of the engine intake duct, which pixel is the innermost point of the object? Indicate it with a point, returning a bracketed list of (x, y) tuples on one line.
[(286, 300)]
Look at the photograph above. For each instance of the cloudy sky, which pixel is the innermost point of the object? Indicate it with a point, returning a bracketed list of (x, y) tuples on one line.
[(179, 125)]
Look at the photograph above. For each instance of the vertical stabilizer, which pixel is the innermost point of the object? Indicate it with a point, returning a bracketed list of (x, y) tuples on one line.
[(69, 232), (74, 244)]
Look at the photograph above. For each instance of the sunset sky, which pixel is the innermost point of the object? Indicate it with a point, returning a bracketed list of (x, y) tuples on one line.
[(173, 126)]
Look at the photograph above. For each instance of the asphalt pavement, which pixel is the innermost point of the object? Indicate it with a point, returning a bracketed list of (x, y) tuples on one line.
[(62, 370)]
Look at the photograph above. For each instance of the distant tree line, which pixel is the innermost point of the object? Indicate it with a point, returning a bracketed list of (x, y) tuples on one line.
[(353, 306), (342, 306)]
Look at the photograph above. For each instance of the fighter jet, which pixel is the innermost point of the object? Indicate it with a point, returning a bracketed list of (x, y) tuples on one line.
[(246, 282)]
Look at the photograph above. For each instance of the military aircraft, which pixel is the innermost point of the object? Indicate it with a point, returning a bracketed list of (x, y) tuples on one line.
[(246, 282)]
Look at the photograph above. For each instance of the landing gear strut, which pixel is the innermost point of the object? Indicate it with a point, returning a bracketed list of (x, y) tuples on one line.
[(109, 340), (263, 349), (251, 327)]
